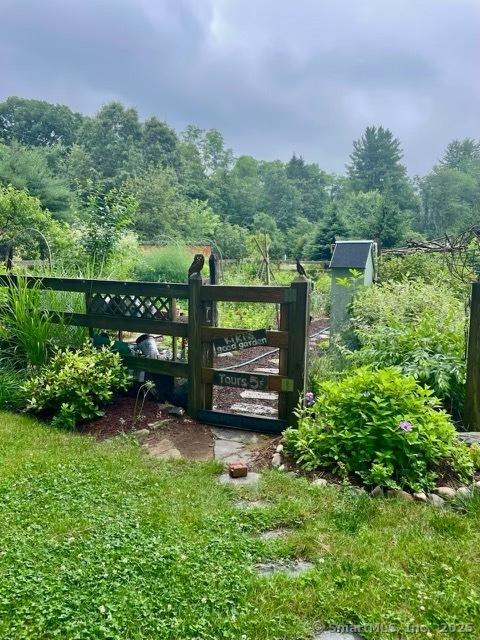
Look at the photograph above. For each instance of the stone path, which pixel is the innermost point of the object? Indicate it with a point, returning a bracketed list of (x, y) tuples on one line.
[(272, 534), (287, 567), (336, 635), (256, 409), (251, 478), (164, 449)]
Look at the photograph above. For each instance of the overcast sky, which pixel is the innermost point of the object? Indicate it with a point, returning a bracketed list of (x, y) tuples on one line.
[(274, 76)]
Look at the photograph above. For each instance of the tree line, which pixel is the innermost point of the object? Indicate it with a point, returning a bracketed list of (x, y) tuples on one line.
[(111, 172)]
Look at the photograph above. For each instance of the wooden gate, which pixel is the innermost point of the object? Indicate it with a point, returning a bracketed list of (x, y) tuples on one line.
[(149, 307)]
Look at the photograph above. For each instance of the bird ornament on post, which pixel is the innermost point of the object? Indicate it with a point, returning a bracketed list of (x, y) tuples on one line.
[(197, 265)]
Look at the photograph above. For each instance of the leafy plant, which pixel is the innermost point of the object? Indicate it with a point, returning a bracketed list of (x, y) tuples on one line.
[(382, 426), (418, 327), (26, 328), (75, 385)]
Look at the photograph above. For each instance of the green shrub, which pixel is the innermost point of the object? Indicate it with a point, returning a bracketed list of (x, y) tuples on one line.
[(381, 426), (418, 327), (74, 385), (164, 265)]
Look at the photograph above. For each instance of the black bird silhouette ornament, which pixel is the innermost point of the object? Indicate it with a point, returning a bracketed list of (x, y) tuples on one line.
[(300, 268), (197, 265)]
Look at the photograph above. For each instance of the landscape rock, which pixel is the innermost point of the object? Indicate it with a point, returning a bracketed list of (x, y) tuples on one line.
[(274, 533), (447, 493), (164, 449), (176, 411), (336, 635), (251, 478), (477, 484), (251, 504), (435, 500), (464, 492), (469, 437), (377, 492), (320, 482), (279, 448), (281, 467), (420, 496), (141, 434), (399, 493), (276, 460), (289, 567)]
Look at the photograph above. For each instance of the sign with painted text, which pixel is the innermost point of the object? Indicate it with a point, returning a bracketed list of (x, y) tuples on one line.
[(243, 340), (241, 380)]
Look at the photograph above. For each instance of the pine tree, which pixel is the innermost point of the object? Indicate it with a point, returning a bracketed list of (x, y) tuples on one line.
[(376, 166), (330, 229)]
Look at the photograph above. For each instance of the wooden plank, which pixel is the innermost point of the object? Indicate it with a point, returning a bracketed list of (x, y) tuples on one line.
[(274, 338), (97, 321), (167, 367), (118, 287), (195, 318), (298, 320), (239, 293), (472, 390), (242, 421), (283, 359), (274, 382)]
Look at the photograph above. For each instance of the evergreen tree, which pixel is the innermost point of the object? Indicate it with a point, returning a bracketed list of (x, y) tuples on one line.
[(376, 166), (330, 229)]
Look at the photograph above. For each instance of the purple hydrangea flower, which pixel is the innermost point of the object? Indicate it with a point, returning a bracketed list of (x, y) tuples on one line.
[(406, 425), (309, 399)]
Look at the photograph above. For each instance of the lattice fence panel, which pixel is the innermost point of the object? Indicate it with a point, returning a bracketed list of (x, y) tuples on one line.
[(131, 306)]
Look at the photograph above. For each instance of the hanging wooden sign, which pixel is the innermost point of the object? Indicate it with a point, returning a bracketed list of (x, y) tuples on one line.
[(240, 379), (243, 340)]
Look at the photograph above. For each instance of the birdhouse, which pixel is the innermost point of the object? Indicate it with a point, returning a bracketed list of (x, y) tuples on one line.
[(352, 266)]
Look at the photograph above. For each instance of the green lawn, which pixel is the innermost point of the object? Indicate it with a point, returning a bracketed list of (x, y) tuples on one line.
[(96, 541)]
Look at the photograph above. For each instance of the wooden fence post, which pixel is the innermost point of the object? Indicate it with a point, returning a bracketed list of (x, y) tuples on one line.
[(298, 319), (195, 319), (472, 391)]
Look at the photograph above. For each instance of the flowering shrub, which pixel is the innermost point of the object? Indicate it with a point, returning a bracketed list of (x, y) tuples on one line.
[(74, 385), (381, 426)]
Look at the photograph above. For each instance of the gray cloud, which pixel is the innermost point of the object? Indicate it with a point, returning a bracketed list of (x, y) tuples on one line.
[(274, 77)]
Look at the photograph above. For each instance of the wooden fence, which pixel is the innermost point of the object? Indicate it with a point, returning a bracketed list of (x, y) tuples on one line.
[(472, 391), (148, 307)]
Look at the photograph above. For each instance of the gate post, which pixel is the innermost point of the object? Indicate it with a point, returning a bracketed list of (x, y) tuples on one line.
[(195, 318), (298, 321), (472, 390)]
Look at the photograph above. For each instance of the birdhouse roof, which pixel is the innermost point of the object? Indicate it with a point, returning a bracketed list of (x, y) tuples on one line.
[(351, 254)]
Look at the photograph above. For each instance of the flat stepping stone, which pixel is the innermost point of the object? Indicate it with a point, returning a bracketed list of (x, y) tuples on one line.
[(266, 370), (231, 451), (258, 409), (250, 478), (237, 435), (272, 534), (469, 437), (336, 635), (250, 504), (287, 567), (258, 395), (164, 449)]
